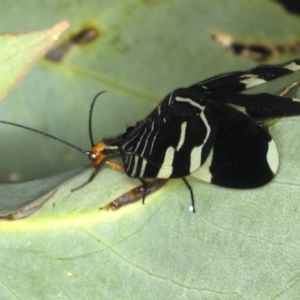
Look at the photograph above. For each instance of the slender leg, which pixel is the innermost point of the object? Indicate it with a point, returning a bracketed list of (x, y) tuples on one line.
[(143, 189), (115, 166), (192, 207), (91, 177), (111, 164)]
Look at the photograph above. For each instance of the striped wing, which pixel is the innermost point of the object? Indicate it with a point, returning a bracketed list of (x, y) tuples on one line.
[(262, 106), (242, 80), (175, 139)]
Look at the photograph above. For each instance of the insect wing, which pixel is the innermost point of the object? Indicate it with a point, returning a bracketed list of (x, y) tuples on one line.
[(174, 140), (259, 106), (243, 80), (244, 154)]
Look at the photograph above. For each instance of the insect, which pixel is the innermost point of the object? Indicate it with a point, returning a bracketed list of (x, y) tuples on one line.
[(208, 129)]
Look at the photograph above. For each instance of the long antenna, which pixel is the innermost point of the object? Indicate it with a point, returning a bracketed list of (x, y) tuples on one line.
[(48, 135), (90, 117)]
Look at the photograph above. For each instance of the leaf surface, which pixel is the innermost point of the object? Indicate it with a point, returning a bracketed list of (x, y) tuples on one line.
[(19, 52), (239, 244)]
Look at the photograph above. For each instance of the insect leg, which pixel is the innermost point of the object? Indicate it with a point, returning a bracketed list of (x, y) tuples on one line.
[(115, 166), (111, 164), (91, 177), (192, 207), (143, 189)]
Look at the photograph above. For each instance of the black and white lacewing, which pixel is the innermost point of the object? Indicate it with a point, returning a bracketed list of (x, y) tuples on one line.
[(209, 129)]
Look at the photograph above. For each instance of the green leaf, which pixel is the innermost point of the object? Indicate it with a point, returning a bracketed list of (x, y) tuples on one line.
[(239, 244), (19, 52), (16, 200)]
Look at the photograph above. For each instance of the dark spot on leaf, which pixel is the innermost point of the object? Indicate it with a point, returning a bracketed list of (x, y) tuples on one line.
[(83, 37), (259, 52), (57, 53)]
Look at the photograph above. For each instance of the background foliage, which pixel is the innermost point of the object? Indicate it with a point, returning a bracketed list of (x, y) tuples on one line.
[(239, 244)]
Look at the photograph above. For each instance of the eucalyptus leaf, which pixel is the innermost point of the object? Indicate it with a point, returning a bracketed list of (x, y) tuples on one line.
[(19, 51)]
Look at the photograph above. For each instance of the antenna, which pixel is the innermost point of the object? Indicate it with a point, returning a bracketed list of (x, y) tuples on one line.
[(90, 117), (48, 135)]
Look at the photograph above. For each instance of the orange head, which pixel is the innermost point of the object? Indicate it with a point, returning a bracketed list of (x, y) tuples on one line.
[(100, 151)]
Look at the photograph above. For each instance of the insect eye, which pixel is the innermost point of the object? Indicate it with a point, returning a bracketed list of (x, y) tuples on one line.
[(93, 156)]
